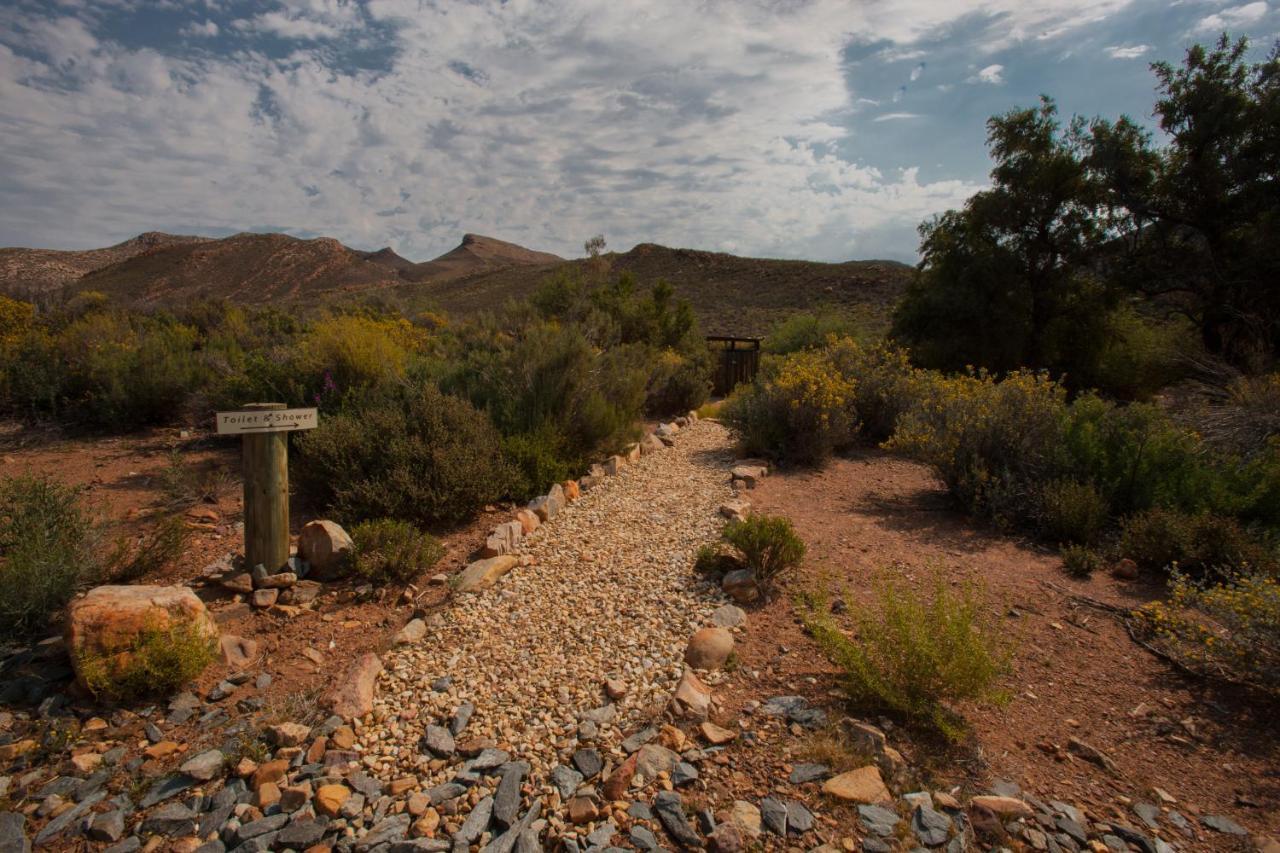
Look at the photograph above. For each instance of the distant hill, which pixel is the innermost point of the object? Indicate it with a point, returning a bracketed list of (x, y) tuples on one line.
[(159, 269), (731, 294)]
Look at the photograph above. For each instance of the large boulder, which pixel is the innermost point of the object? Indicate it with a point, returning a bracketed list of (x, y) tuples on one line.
[(327, 547), (709, 648), (549, 505), (107, 623)]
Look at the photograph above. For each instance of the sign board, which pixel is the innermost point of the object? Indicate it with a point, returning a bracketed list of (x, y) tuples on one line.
[(266, 420)]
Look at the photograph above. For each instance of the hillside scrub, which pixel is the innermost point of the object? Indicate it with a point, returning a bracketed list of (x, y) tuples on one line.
[(1017, 450)]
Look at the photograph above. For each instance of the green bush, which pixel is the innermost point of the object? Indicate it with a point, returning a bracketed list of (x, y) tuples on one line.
[(1080, 561), (769, 547), (1228, 630), (414, 454), (811, 330), (915, 653), (885, 385), (1200, 544), (389, 551), (538, 459), (799, 410), (1072, 512), (163, 546), (44, 552), (678, 383), (161, 660)]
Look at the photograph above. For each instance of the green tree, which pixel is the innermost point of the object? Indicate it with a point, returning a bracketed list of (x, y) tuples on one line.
[(1005, 282)]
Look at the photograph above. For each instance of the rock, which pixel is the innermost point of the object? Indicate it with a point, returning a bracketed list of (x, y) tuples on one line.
[(740, 585), (327, 547), (863, 785), (644, 839), (413, 632), (1224, 825), (549, 505), (653, 759), (582, 810), (384, 832), (566, 780), (619, 781), (803, 773), (749, 475), (438, 740), (799, 819), (1090, 753), (485, 573), (666, 431), (329, 799), (745, 817), (280, 580), (879, 820), (729, 616), (931, 827), (1125, 569), (773, 813), (241, 582), (651, 444), (615, 688), (288, 734), (205, 766), (692, 698), (461, 716), (238, 652), (475, 822), (571, 490), (107, 827), (86, 762), (269, 773), (709, 648), (715, 735), (170, 820), (588, 762), (13, 836), (107, 623), (1007, 808), (301, 594), (529, 521), (735, 510), (264, 598), (301, 834), (614, 465), (669, 809), (294, 797), (507, 798), (352, 697)]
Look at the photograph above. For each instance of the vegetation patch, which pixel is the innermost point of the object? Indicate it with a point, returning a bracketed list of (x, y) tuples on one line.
[(158, 663), (388, 550), (768, 546), (915, 653)]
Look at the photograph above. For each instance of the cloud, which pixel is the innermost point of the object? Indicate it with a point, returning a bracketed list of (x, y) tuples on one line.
[(1127, 51), (992, 75), (539, 122), (917, 71), (208, 29), (1236, 17)]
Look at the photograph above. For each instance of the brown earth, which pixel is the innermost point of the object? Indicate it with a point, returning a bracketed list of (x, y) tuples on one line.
[(1076, 672), (30, 273)]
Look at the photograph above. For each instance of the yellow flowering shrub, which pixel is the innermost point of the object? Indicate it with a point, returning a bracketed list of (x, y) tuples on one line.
[(1229, 630), (800, 409), (885, 383), (16, 317)]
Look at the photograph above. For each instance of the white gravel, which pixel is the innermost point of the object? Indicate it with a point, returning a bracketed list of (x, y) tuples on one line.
[(611, 592)]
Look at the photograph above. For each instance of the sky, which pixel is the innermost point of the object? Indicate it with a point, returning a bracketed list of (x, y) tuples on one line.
[(820, 129)]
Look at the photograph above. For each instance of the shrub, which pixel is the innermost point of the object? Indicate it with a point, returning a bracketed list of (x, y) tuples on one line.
[(992, 442), (414, 454), (1201, 544), (1229, 630), (914, 654), (800, 410), (159, 663), (44, 551), (769, 547), (1072, 512), (809, 330), (1080, 561), (347, 354), (884, 384), (678, 383), (711, 559), (537, 460), (162, 546), (387, 550)]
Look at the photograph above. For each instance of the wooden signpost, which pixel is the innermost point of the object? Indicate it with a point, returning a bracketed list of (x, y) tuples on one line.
[(263, 428)]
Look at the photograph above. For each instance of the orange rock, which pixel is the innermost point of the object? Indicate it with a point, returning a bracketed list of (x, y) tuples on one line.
[(267, 795), (1005, 807), (343, 737), (329, 799), (615, 787), (352, 695), (716, 735), (271, 772), (583, 810), (529, 520), (319, 747), (571, 490), (709, 648), (863, 786), (161, 750)]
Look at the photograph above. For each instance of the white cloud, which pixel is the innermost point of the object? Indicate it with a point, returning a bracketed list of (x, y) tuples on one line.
[(642, 122), (916, 72), (1127, 51), (206, 30), (1234, 18), (992, 75), (896, 117)]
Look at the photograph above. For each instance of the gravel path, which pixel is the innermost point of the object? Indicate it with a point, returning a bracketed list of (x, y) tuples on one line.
[(610, 593)]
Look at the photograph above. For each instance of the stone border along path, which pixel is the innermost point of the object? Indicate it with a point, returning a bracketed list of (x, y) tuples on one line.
[(606, 591)]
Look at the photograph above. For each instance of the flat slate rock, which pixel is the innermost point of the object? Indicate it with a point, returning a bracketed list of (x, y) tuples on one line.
[(566, 780), (166, 788), (931, 827), (507, 799), (588, 762), (802, 773), (1226, 825), (392, 829), (799, 819), (879, 820), (13, 835), (773, 814), (669, 808)]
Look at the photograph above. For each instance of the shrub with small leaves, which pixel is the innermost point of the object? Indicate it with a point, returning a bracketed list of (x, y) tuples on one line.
[(916, 652), (769, 547), (1080, 561), (1229, 630), (161, 660), (388, 551), (1200, 544), (1072, 512)]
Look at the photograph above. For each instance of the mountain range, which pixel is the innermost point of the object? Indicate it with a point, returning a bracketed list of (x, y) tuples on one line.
[(732, 294)]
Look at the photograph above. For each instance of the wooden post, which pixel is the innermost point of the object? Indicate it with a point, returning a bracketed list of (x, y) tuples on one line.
[(266, 495)]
